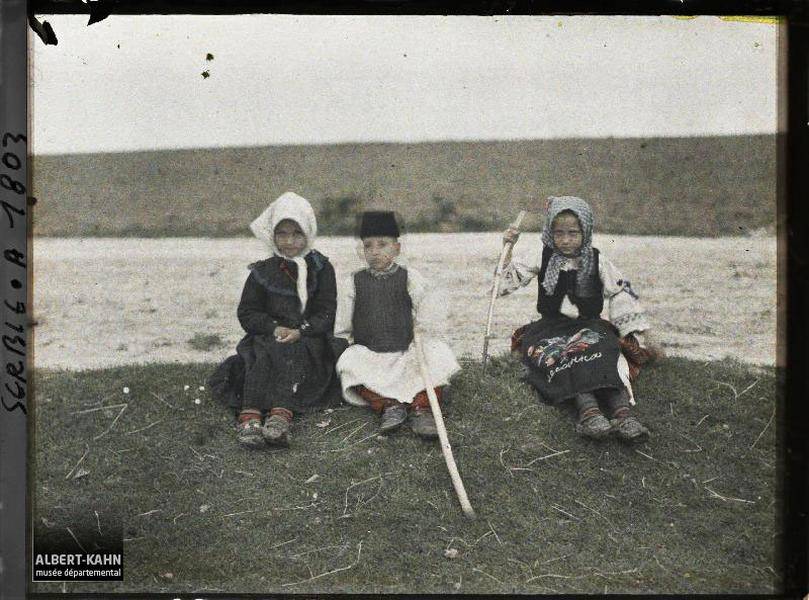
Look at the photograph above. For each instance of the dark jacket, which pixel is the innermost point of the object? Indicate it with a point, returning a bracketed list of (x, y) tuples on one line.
[(267, 374), (270, 297)]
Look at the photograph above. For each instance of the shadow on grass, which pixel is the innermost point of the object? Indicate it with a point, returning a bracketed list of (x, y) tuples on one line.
[(690, 511)]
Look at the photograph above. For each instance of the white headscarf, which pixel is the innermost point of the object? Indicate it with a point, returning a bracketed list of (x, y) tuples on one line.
[(295, 208)]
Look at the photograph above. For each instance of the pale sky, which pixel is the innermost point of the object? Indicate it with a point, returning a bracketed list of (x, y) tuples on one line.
[(325, 79)]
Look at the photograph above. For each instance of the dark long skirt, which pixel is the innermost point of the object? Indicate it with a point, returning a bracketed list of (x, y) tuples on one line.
[(565, 357), (265, 374), (299, 376)]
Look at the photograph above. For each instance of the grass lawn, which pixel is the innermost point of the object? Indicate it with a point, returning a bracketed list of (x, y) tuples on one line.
[(691, 511)]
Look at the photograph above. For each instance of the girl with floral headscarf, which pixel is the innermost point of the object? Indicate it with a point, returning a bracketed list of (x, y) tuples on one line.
[(571, 353), (287, 310)]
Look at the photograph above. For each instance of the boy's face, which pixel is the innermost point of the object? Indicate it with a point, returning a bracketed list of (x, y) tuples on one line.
[(567, 234), (289, 238), (380, 252)]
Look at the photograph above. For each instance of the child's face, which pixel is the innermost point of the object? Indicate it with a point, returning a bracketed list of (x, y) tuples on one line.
[(567, 234), (380, 252), (289, 238)]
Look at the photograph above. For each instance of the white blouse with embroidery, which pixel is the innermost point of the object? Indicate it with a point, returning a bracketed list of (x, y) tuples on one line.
[(623, 307)]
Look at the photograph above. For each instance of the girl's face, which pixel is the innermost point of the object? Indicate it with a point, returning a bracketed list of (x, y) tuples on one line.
[(289, 238), (567, 234), (380, 252)]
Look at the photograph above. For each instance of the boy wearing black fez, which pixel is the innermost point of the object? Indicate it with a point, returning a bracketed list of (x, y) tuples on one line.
[(378, 311)]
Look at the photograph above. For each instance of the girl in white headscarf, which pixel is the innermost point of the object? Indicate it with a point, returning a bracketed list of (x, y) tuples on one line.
[(572, 354), (287, 310)]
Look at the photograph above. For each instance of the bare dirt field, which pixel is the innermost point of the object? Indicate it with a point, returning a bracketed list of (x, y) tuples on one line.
[(102, 302)]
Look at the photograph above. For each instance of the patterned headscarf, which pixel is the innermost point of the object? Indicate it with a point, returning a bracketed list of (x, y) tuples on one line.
[(584, 213)]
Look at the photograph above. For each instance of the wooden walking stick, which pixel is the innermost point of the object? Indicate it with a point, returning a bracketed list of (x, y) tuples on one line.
[(446, 450), (496, 289)]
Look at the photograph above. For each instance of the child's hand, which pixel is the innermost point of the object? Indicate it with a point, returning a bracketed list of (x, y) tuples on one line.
[(285, 335), (511, 236)]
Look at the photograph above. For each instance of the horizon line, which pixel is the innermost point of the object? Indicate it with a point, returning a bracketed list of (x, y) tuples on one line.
[(35, 153)]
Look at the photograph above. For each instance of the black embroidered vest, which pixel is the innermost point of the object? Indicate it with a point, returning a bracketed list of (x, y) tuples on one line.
[(383, 311), (548, 305)]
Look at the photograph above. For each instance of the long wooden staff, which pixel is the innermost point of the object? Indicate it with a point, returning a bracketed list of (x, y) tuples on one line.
[(442, 431), (496, 289)]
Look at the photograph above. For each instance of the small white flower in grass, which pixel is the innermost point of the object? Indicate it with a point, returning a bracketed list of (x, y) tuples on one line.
[(126, 390), (197, 401), (202, 388), (204, 508), (186, 388), (314, 496), (451, 553)]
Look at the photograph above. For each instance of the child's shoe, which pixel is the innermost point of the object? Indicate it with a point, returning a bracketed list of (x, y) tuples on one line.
[(595, 426), (629, 429), (248, 430), (393, 416), (276, 430), (423, 424)]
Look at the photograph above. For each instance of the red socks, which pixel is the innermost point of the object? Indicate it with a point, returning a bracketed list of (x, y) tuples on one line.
[(249, 414), (621, 412), (282, 412), (378, 402), (421, 403)]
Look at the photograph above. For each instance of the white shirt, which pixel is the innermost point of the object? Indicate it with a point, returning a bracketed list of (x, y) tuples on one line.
[(623, 308)]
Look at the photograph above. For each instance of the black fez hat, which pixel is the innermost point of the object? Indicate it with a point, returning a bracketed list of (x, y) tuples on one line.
[(378, 223)]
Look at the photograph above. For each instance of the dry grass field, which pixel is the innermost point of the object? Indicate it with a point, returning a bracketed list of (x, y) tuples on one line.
[(110, 302)]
